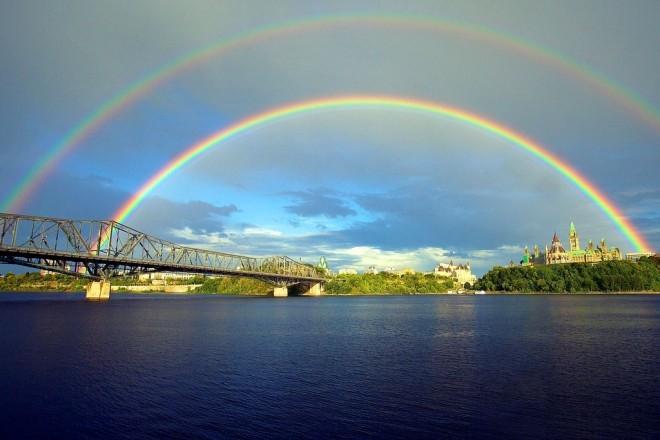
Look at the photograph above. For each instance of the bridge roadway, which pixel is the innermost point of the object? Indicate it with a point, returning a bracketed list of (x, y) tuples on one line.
[(100, 249)]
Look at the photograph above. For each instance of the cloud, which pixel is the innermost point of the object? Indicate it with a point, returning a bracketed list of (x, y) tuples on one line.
[(421, 259), (77, 197), (340, 254), (254, 231), (319, 202), (205, 240), (159, 216), (640, 197), (447, 216), (361, 257), (251, 240)]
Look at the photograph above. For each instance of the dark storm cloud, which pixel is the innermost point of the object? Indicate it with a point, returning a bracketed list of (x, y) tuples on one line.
[(319, 202)]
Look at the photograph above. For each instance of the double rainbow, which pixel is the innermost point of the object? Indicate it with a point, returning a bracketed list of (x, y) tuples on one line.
[(368, 101), (27, 186)]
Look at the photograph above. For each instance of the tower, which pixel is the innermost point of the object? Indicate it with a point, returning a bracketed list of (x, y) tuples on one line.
[(573, 238), (556, 254)]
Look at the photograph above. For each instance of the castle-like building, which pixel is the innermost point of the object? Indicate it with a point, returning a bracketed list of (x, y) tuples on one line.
[(461, 273), (556, 254)]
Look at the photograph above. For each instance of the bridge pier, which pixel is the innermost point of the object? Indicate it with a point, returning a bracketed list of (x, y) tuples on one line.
[(312, 289), (280, 291), (98, 291), (307, 288)]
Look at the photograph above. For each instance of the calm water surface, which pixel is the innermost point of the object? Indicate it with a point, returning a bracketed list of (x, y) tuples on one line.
[(332, 367)]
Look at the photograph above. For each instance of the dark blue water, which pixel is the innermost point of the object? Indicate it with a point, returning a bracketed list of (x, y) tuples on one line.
[(332, 367)]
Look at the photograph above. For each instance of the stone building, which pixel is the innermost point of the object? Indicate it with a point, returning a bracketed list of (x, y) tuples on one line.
[(461, 273), (164, 276), (557, 254)]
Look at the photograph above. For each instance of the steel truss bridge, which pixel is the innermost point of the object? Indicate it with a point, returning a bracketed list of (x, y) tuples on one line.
[(99, 250)]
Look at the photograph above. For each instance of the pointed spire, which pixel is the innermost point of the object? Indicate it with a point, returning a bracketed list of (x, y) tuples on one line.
[(555, 239), (573, 238)]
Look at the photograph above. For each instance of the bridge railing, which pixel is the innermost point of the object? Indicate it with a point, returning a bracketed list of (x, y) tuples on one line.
[(114, 242)]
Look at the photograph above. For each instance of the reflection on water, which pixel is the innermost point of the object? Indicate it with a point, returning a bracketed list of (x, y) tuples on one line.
[(420, 366)]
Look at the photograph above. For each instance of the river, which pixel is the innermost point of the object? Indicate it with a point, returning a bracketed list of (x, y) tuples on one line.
[(143, 366)]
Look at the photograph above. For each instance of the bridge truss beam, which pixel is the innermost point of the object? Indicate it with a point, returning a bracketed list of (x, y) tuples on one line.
[(99, 249)]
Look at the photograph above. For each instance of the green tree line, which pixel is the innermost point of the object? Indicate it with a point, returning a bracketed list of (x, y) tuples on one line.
[(33, 281), (234, 286), (609, 276), (349, 284)]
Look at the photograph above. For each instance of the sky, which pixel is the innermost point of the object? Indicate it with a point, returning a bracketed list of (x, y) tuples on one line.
[(360, 186)]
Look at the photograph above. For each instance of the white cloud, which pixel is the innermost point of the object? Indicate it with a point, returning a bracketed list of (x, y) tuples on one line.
[(206, 240), (260, 231), (260, 241), (421, 259), (361, 257)]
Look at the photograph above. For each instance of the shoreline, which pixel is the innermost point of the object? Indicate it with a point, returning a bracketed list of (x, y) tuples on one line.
[(189, 293)]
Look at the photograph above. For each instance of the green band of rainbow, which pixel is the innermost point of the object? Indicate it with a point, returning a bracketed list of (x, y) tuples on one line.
[(43, 167), (359, 101)]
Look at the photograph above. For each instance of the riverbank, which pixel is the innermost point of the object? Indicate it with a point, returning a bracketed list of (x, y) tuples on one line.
[(616, 277), (607, 276)]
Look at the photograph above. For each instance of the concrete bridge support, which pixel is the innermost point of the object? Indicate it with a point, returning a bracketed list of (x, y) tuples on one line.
[(312, 289), (280, 291), (98, 291), (307, 289)]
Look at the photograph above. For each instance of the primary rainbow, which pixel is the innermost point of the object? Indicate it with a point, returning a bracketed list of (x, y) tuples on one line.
[(360, 101), (44, 166)]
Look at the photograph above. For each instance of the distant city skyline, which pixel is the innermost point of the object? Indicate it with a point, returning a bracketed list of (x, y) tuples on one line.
[(360, 186)]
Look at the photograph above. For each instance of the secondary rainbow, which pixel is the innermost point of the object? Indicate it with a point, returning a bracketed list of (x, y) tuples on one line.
[(635, 238), (43, 167)]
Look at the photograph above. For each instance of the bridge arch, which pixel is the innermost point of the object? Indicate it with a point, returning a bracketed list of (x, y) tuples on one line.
[(524, 144)]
